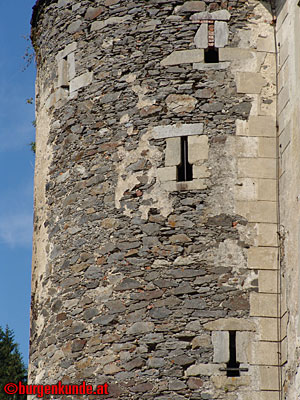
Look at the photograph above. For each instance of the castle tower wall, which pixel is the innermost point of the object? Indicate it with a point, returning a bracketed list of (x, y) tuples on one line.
[(156, 219)]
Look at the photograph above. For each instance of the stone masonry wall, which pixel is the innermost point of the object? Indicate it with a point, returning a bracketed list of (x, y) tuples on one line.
[(138, 278), (288, 73)]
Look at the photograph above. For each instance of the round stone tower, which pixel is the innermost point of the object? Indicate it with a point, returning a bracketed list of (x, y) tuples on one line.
[(155, 246)]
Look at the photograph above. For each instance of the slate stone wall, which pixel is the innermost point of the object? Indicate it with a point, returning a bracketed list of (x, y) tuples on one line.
[(131, 272)]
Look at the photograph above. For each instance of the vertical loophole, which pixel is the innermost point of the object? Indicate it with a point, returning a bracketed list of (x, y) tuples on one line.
[(232, 365), (184, 169), (211, 55)]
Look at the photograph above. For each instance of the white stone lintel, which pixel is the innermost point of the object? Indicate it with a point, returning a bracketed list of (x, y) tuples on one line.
[(167, 131)]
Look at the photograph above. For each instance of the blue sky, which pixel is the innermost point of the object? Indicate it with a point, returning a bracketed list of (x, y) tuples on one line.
[(16, 170)]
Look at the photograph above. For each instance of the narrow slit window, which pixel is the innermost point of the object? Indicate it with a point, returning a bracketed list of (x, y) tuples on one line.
[(233, 367), (211, 55), (184, 169)]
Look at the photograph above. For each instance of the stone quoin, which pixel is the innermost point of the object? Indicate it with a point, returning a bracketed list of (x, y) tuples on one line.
[(166, 233)]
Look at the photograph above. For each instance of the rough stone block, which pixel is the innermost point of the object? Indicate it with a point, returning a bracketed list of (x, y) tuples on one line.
[(71, 66), (221, 34), (267, 189), (234, 53), (263, 258), (200, 171), (197, 148), (167, 174), (250, 82), (74, 26), (63, 73), (269, 378), (173, 152), (263, 305), (98, 25), (268, 282), (62, 3), (165, 131), (268, 329), (203, 369), (220, 341), (183, 57), (81, 81), (181, 103), (262, 126), (257, 168), (192, 6), (201, 37), (257, 211)]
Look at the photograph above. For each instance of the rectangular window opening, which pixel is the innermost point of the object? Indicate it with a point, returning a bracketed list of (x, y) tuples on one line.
[(211, 55), (233, 367), (184, 169)]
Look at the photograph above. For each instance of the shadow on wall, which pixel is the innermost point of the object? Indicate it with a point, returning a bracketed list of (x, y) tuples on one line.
[(275, 5)]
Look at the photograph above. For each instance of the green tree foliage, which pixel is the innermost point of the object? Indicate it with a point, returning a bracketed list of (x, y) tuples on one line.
[(12, 368)]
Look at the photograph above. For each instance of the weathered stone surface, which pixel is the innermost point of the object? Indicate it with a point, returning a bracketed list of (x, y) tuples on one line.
[(132, 265), (221, 34), (81, 81), (98, 25), (141, 327), (220, 15), (181, 103), (201, 38), (169, 131), (92, 13), (183, 57), (192, 6)]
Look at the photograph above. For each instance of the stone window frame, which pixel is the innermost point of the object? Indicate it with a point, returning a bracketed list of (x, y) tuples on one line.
[(245, 331), (198, 148)]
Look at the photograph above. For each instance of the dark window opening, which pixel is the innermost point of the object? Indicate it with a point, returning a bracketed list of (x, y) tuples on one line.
[(233, 367), (211, 55), (184, 170)]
